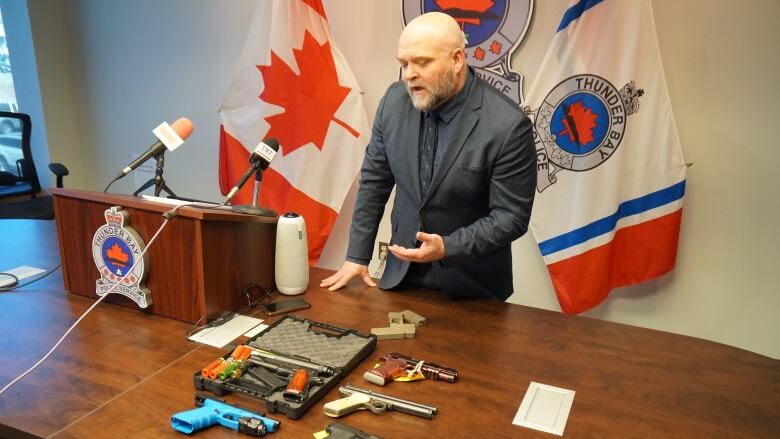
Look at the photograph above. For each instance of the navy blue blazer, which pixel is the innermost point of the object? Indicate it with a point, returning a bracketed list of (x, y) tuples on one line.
[(479, 200)]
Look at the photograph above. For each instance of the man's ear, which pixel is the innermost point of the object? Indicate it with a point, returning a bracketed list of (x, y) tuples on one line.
[(459, 59)]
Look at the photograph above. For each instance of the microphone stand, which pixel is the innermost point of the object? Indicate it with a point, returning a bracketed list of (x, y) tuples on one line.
[(157, 181), (254, 209)]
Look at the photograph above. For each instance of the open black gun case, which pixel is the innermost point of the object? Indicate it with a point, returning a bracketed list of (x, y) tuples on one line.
[(326, 353)]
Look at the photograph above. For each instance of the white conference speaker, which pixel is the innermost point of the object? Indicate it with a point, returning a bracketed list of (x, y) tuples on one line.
[(292, 255)]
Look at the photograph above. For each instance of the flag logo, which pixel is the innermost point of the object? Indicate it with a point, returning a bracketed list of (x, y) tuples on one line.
[(493, 29), (581, 124), (116, 249)]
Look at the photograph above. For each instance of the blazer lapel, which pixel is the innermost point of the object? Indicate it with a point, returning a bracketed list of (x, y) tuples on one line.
[(468, 120)]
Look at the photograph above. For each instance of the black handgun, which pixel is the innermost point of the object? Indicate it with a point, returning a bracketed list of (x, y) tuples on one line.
[(337, 430)]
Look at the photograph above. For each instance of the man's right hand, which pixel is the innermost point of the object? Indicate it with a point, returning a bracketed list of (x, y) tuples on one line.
[(347, 271)]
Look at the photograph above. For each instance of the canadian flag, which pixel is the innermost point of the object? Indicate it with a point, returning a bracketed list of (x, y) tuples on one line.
[(293, 84)]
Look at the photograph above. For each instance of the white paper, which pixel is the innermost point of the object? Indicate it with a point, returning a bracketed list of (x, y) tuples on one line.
[(223, 334), (175, 202), (22, 272), (545, 408), (257, 329)]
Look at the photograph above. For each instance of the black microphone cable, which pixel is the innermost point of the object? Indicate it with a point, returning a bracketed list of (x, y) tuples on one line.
[(110, 183)]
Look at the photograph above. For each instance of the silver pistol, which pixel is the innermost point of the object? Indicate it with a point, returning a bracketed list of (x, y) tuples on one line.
[(356, 398)]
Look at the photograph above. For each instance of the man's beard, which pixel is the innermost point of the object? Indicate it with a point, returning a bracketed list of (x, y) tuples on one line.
[(436, 96)]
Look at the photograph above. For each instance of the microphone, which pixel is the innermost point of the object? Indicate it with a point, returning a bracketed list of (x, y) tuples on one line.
[(261, 157), (168, 136)]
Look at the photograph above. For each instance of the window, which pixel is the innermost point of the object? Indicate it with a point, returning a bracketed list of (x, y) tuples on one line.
[(7, 92), (10, 128)]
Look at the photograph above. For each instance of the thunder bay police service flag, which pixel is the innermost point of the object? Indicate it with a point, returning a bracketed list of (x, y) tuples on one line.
[(611, 173)]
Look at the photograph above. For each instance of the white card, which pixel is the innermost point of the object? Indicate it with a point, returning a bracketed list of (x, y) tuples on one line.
[(256, 330), (223, 334), (22, 272), (545, 408)]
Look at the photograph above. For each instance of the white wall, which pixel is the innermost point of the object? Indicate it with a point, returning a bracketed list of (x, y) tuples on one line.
[(721, 61), (133, 64)]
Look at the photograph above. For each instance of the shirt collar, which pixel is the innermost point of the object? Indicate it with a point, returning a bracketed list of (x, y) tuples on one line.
[(450, 108)]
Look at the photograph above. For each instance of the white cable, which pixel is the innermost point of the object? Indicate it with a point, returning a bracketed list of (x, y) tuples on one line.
[(56, 345)]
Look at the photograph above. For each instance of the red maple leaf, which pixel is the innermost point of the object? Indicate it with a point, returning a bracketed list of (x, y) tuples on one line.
[(495, 47), (579, 123), (479, 53), (463, 10), (117, 256), (310, 100)]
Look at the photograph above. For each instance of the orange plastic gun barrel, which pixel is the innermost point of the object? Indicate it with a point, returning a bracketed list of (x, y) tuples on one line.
[(238, 351), (205, 371), (245, 354), (214, 373)]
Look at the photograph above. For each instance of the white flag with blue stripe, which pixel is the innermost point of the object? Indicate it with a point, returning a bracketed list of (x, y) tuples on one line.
[(611, 173)]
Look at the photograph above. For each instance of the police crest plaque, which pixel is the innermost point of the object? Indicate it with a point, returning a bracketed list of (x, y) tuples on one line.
[(117, 250)]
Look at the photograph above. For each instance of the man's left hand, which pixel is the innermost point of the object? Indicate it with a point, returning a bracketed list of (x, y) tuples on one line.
[(432, 249)]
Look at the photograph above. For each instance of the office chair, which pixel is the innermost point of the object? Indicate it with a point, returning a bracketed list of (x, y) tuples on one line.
[(18, 177)]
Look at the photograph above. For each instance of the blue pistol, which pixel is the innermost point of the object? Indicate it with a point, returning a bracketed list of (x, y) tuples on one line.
[(213, 411)]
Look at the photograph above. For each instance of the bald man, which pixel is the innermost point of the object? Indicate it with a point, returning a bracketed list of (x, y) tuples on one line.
[(461, 157)]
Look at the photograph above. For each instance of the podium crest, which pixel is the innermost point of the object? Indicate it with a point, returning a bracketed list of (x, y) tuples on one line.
[(117, 249)]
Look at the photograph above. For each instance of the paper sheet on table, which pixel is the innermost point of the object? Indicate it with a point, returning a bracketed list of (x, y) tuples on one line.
[(223, 334), (175, 202), (545, 408), (22, 272), (256, 330)]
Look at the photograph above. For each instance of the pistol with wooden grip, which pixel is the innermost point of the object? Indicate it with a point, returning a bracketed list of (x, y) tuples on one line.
[(395, 364), (298, 388), (298, 381)]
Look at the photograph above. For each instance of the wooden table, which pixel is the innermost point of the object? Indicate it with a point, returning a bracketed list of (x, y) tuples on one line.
[(123, 373)]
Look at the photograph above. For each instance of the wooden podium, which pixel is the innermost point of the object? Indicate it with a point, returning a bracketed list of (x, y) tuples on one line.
[(196, 267)]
